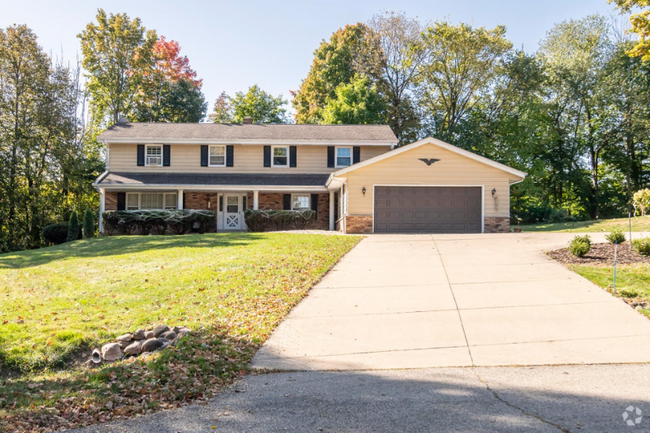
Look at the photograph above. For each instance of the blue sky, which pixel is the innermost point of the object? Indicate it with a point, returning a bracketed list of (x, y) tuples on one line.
[(233, 45)]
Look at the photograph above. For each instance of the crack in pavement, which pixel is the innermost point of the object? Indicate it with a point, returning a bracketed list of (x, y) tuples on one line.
[(514, 406)]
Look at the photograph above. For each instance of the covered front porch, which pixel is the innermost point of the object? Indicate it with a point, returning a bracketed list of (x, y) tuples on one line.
[(134, 191)]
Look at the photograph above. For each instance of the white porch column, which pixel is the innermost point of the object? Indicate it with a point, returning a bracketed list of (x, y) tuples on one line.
[(332, 216), (256, 200), (102, 206), (179, 196)]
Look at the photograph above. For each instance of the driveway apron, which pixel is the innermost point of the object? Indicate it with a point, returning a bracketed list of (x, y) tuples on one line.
[(416, 301)]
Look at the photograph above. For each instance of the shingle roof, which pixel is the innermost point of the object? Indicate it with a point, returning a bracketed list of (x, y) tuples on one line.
[(245, 132), (186, 179)]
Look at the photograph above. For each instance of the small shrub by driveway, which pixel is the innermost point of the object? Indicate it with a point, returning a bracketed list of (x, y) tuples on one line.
[(59, 302), (632, 273)]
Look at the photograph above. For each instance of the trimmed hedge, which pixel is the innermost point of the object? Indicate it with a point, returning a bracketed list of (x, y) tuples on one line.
[(144, 222), (263, 220), (56, 233)]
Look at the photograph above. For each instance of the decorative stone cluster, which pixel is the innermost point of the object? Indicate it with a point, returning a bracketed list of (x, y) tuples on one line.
[(142, 341)]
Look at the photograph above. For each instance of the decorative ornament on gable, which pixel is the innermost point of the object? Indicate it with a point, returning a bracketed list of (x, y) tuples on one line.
[(429, 161)]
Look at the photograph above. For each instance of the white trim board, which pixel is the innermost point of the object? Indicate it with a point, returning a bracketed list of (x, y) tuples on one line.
[(436, 142), (189, 188), (374, 190)]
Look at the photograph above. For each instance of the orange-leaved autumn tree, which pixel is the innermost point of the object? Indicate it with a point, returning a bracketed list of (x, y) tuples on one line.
[(171, 91)]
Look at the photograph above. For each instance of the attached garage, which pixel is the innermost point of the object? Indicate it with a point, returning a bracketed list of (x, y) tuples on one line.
[(425, 187), (428, 209)]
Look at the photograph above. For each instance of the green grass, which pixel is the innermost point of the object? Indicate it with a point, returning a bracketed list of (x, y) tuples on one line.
[(632, 281), (639, 224), (232, 289)]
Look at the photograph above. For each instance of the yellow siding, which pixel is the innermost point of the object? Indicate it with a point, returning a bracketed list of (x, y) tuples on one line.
[(407, 169), (186, 158)]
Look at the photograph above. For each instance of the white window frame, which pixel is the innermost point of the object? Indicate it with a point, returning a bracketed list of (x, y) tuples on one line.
[(301, 194), (273, 164), (214, 146), (164, 200), (146, 155), (336, 156)]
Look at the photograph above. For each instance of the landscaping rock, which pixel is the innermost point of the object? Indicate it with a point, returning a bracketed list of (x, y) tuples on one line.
[(169, 335), (182, 332), (152, 344), (111, 352), (159, 330), (139, 334), (148, 335), (125, 337), (123, 344), (134, 348)]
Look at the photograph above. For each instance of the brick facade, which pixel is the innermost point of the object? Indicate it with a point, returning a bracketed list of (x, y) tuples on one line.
[(110, 200), (267, 201), (275, 201), (358, 224), (200, 200), (497, 225)]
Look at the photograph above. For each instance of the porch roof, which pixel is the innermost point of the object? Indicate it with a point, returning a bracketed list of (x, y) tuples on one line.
[(202, 180)]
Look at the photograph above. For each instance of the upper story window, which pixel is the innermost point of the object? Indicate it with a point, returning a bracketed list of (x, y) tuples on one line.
[(280, 156), (343, 157), (217, 156), (153, 154), (300, 202)]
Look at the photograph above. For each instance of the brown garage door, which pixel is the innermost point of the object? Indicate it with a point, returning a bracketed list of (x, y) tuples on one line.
[(420, 209)]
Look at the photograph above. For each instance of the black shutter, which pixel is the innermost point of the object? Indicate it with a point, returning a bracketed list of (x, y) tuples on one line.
[(184, 201), (356, 154), (314, 204), (287, 201), (121, 201), (330, 156), (267, 156), (166, 155), (230, 156), (293, 156), (204, 155), (140, 155)]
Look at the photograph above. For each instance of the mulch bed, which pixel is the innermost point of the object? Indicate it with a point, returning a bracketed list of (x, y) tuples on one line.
[(601, 255)]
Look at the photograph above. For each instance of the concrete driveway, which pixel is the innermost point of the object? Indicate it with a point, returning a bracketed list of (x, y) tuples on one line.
[(417, 301)]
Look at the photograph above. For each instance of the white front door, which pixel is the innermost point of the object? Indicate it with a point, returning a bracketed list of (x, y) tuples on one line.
[(232, 215)]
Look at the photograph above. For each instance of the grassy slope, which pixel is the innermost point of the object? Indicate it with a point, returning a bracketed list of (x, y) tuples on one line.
[(639, 224), (632, 281), (232, 288)]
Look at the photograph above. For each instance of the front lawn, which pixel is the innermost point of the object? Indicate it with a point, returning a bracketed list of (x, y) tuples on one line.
[(59, 302), (632, 282), (639, 224)]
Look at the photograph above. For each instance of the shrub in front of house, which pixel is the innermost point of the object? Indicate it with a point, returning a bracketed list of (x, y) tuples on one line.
[(89, 224), (73, 227), (56, 233), (580, 245), (144, 222), (642, 246), (265, 220), (616, 236)]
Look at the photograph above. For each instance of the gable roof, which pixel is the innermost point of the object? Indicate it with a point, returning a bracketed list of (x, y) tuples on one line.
[(436, 142), (247, 133)]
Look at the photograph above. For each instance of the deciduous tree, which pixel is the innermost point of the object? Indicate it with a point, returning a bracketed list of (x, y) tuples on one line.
[(117, 56), (356, 103)]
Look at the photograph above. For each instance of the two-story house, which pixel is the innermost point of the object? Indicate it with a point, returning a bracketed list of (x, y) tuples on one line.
[(348, 174)]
